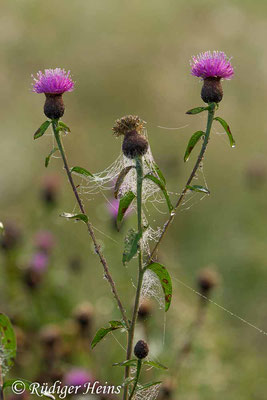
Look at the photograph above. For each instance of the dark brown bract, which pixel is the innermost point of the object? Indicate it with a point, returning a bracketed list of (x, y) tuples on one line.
[(54, 107), (141, 349), (212, 91), (134, 145)]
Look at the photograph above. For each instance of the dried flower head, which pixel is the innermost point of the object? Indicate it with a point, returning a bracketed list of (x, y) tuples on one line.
[(212, 65), (127, 124), (53, 81), (208, 278)]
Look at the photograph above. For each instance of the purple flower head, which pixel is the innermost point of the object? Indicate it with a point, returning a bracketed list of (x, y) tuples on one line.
[(39, 262), (44, 241), (78, 377), (53, 81), (212, 65)]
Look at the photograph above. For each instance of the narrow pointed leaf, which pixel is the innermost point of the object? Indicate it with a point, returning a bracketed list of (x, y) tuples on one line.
[(47, 159), (81, 171), (127, 363), (165, 281), (120, 179), (63, 127), (155, 364), (227, 130), (198, 188), (102, 332), (197, 110), (131, 245), (163, 189), (192, 142), (147, 385), (81, 217), (8, 339), (125, 203), (159, 173), (42, 129)]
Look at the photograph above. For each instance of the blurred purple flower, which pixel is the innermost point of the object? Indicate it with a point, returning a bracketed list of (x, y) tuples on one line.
[(44, 241), (39, 262), (113, 207), (78, 377), (211, 65), (53, 81)]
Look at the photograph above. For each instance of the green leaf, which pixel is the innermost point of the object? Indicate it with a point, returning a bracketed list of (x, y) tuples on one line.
[(63, 127), (47, 159), (198, 188), (131, 245), (42, 129), (22, 384), (163, 189), (81, 217), (192, 142), (197, 110), (8, 339), (120, 179), (227, 130), (125, 203), (155, 364), (147, 385), (102, 332), (127, 363), (81, 171), (165, 281)]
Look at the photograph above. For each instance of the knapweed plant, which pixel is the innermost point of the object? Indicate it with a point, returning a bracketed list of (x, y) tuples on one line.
[(138, 179)]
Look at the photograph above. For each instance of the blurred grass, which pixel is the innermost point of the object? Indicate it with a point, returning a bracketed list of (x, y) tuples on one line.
[(133, 58)]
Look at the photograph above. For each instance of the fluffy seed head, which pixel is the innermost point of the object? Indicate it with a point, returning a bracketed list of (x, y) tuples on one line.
[(141, 349), (53, 81), (212, 65), (127, 124)]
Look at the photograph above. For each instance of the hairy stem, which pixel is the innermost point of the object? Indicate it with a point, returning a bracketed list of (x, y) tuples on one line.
[(138, 372), (89, 225), (191, 177), (139, 173)]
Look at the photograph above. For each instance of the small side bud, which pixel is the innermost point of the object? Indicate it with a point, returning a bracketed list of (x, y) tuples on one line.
[(212, 91), (141, 349), (54, 107), (208, 279)]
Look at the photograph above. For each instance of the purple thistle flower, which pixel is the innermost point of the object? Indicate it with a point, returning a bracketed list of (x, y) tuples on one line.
[(53, 81), (44, 241), (78, 377), (39, 262), (212, 65)]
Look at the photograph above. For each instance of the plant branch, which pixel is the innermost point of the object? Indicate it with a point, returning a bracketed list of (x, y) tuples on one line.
[(89, 225), (139, 172), (211, 112)]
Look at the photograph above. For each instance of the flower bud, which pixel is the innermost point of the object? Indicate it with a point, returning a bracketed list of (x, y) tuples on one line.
[(212, 91), (207, 280), (141, 349), (54, 107)]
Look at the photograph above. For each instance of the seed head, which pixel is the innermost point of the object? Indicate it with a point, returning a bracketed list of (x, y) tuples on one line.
[(141, 349), (127, 124)]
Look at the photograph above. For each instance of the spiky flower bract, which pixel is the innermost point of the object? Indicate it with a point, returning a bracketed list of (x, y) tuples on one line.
[(53, 81), (212, 65)]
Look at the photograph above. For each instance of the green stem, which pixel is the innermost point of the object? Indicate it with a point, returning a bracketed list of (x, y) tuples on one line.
[(89, 225), (138, 372), (139, 173), (211, 113), (1, 385)]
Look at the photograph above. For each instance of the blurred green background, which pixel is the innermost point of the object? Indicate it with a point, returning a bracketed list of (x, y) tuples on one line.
[(133, 58)]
